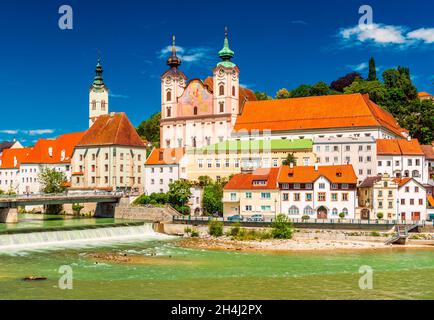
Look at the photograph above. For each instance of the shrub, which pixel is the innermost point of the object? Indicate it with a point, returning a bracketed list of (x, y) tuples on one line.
[(305, 218), (380, 215), (235, 230), (194, 234), (215, 228), (341, 215), (281, 227), (375, 234), (76, 208), (252, 234), (142, 200)]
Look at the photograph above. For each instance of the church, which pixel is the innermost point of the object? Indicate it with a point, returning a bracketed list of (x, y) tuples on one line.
[(196, 113)]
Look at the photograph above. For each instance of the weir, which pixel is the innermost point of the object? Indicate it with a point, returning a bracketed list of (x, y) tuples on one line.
[(79, 237)]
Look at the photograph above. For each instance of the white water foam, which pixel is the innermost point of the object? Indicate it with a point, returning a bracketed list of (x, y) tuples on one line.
[(82, 238)]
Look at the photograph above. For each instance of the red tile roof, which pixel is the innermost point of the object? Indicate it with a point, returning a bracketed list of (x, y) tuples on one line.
[(12, 158), (165, 156), (399, 147), (308, 174), (402, 181), (244, 181), (334, 111), (54, 151), (424, 94), (112, 129), (428, 151)]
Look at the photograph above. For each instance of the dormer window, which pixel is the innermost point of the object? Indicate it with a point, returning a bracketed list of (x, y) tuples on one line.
[(260, 182), (338, 174), (169, 96), (221, 90)]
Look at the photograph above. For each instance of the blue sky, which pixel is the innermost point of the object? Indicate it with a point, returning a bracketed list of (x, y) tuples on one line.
[(45, 72)]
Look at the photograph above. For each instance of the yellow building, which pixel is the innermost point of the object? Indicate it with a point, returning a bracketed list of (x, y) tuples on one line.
[(254, 193), (233, 157)]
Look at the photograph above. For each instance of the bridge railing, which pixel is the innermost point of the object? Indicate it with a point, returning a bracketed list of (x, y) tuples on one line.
[(60, 195)]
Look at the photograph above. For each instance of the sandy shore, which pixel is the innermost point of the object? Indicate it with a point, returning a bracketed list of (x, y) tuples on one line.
[(225, 243)]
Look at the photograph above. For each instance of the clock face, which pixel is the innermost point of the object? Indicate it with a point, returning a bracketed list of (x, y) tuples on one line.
[(168, 80), (221, 73)]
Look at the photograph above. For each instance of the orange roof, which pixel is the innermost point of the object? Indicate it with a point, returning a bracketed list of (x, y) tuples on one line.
[(334, 111), (244, 181), (431, 201), (402, 181), (57, 150), (399, 147), (12, 158), (335, 174), (424, 94), (428, 151), (165, 156), (112, 129)]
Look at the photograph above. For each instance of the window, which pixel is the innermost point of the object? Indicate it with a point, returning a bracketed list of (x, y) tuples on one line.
[(411, 201), (344, 196), (169, 96), (347, 148), (266, 208), (248, 208), (161, 181), (93, 156), (293, 211), (227, 163), (321, 196), (106, 168), (335, 212), (248, 195), (103, 105), (368, 159), (308, 196), (107, 155), (421, 202), (296, 197), (345, 186), (308, 186), (195, 111), (217, 164), (403, 201), (415, 174), (389, 163), (209, 163), (417, 162), (233, 196), (322, 185), (169, 112), (410, 162), (390, 204), (407, 189), (265, 195), (161, 169), (390, 194), (200, 163), (296, 186), (93, 168), (335, 148), (93, 105), (275, 162), (221, 90), (345, 211), (334, 186), (233, 91), (380, 163), (121, 168), (222, 107), (308, 211), (380, 204), (121, 179), (106, 180), (285, 197), (334, 197)]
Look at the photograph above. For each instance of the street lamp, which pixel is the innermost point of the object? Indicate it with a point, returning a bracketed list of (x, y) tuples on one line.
[(275, 209)]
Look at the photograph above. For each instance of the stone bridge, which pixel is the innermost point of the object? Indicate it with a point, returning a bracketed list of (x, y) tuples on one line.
[(9, 204)]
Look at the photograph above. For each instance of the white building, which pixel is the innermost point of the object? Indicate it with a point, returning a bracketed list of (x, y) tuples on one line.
[(163, 167), (98, 96), (320, 192), (412, 200), (360, 152), (401, 158), (10, 161)]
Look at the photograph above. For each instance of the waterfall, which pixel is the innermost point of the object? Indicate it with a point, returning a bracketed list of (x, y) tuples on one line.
[(81, 238)]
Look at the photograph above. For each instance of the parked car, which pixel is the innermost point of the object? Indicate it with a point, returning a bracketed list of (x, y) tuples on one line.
[(256, 218), (236, 218)]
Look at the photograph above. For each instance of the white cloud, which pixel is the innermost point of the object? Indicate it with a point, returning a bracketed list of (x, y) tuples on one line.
[(424, 34), (37, 132), (359, 67), (9, 131), (120, 96), (299, 22), (377, 33), (187, 55)]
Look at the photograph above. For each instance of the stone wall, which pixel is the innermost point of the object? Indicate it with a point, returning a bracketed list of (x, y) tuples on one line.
[(8, 215), (156, 214)]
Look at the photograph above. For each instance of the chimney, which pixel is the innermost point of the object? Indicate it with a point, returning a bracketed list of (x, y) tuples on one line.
[(409, 138), (316, 166), (291, 165)]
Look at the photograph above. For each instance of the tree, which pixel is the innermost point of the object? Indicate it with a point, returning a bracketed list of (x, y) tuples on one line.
[(204, 181), (290, 158), (150, 129), (215, 228), (52, 181), (283, 94), (179, 194), (301, 91), (282, 227), (372, 75), (340, 84), (320, 89), (375, 89), (212, 198), (262, 96)]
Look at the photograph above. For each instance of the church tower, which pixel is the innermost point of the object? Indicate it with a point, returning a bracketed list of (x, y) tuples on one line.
[(172, 85), (226, 83), (98, 96)]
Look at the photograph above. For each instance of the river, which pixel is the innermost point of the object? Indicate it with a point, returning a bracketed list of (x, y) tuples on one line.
[(161, 269)]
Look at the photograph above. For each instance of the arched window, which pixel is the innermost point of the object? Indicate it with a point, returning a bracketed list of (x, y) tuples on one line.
[(222, 107), (345, 211), (169, 96), (93, 105), (406, 174), (195, 111), (233, 91), (415, 174), (308, 211), (169, 112), (103, 105), (222, 90), (335, 212), (293, 211)]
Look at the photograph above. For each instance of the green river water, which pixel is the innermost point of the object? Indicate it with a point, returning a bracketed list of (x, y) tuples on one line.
[(171, 272)]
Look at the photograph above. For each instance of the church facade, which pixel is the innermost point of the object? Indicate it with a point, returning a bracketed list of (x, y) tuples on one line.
[(198, 113)]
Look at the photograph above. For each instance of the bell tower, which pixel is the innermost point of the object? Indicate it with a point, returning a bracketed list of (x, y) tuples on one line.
[(226, 83), (98, 96)]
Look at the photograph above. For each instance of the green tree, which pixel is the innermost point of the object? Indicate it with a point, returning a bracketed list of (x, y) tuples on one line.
[(52, 181), (215, 228), (204, 181), (282, 228), (303, 90), (283, 94), (290, 158), (212, 198), (320, 89), (372, 75), (340, 84), (376, 90), (179, 194), (262, 96), (150, 129)]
